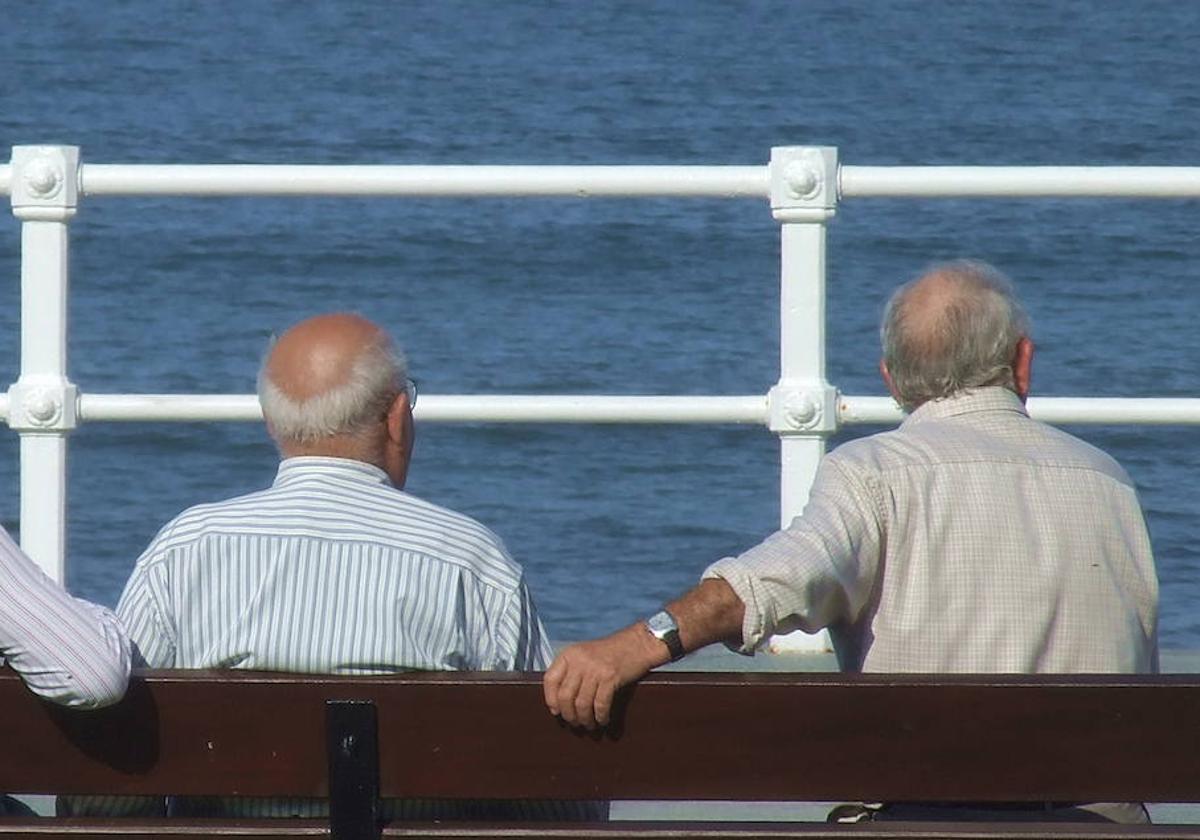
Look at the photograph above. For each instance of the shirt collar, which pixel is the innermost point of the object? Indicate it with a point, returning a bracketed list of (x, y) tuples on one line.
[(971, 401), (292, 469)]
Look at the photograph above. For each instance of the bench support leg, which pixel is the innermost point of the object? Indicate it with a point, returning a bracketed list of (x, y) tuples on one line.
[(352, 743)]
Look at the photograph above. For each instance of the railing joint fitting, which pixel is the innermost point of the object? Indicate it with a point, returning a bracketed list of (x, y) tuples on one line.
[(45, 182), (803, 408), (43, 404), (804, 183)]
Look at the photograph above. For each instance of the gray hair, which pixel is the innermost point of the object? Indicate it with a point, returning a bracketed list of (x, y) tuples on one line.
[(376, 379), (968, 342)]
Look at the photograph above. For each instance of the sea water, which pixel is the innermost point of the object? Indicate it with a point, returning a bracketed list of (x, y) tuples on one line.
[(549, 296)]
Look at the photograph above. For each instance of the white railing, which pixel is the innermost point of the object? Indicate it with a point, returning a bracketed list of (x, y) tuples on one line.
[(428, 181), (802, 184)]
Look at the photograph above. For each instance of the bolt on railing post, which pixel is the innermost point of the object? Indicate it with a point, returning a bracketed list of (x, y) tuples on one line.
[(802, 405), (43, 402)]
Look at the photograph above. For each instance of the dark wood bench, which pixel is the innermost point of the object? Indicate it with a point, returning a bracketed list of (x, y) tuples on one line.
[(678, 736)]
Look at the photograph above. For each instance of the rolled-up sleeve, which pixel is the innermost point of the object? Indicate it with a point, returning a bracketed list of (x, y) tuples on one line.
[(67, 650), (819, 569)]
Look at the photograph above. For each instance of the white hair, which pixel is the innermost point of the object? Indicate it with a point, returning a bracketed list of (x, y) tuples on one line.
[(969, 343), (376, 379)]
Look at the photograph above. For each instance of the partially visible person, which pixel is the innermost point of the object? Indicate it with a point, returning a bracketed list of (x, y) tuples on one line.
[(66, 650), (972, 539), (334, 568)]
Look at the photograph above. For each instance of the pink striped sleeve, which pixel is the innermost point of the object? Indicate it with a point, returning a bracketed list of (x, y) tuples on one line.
[(67, 650)]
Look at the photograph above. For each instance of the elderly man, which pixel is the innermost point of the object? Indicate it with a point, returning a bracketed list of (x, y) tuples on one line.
[(332, 569), (970, 540), (66, 650)]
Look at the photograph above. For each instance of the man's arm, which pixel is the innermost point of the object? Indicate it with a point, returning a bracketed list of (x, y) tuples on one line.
[(140, 609), (518, 641), (819, 569), (67, 650), (580, 684)]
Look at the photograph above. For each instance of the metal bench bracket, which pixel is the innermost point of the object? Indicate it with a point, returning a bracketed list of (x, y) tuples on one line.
[(352, 743)]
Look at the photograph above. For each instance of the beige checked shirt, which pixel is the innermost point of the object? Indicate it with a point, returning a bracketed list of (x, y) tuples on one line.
[(971, 539)]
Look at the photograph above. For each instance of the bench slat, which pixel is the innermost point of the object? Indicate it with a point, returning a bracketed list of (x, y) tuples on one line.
[(807, 737), (146, 829), (11, 829)]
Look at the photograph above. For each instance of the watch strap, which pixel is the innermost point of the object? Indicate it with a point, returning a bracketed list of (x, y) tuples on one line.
[(662, 626), (674, 644)]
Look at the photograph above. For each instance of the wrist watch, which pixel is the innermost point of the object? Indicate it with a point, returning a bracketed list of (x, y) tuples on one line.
[(662, 626)]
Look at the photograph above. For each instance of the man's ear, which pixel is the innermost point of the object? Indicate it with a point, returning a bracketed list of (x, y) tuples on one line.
[(1023, 367), (887, 380), (396, 415)]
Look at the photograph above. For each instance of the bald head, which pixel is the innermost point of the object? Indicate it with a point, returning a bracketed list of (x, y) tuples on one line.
[(956, 327), (328, 378), (318, 355)]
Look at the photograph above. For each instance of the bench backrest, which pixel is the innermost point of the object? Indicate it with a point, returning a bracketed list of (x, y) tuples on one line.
[(813, 737)]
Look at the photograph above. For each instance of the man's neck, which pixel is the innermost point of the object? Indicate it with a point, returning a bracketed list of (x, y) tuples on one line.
[(352, 449)]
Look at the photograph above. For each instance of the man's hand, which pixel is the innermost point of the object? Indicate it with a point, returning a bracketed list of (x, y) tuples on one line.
[(579, 685)]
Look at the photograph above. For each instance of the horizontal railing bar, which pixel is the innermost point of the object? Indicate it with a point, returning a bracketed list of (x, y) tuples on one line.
[(524, 408), (1115, 410), (464, 181), (436, 181), (521, 408), (152, 408), (1071, 410), (1020, 181), (624, 181), (868, 410), (597, 409)]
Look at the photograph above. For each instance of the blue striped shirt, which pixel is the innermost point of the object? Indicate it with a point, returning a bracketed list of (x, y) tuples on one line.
[(331, 570)]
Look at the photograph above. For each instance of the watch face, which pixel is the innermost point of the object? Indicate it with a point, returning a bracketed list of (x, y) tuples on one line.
[(661, 623)]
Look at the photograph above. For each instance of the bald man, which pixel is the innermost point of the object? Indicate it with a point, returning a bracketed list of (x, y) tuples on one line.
[(332, 569), (970, 540)]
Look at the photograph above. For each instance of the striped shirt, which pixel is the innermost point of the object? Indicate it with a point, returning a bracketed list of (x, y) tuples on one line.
[(331, 570), (67, 650), (971, 539)]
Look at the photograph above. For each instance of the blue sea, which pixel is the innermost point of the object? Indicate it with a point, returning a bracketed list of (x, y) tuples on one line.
[(575, 296)]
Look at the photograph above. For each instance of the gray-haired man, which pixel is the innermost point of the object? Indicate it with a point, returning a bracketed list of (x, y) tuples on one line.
[(332, 569), (970, 540)]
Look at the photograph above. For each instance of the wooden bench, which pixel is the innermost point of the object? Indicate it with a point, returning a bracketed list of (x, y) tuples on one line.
[(747, 737)]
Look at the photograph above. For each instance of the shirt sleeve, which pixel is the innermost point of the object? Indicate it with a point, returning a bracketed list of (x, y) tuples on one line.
[(535, 653), (521, 642), (818, 570), (67, 650), (141, 611)]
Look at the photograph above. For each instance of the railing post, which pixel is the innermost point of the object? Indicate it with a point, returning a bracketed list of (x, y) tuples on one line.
[(42, 403), (802, 405)]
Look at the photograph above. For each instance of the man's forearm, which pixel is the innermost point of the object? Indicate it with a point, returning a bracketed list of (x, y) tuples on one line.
[(70, 652), (710, 612), (580, 684)]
